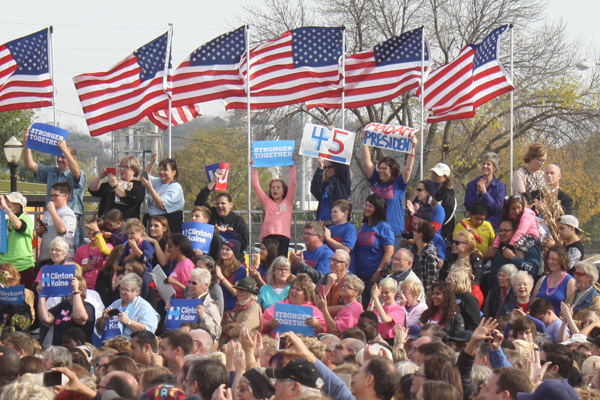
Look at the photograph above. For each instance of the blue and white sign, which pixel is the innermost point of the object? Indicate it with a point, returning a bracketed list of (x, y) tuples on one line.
[(111, 328), (56, 280), (43, 137), (390, 137), (293, 318), (3, 232), (273, 153), (182, 310), (200, 235), (13, 295), (334, 145)]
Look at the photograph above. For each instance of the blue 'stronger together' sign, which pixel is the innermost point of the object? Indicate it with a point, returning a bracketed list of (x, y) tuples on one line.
[(273, 153), (182, 310), (201, 235), (56, 280), (293, 318), (43, 137)]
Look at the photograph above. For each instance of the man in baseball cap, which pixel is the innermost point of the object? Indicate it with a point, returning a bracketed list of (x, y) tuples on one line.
[(297, 379)]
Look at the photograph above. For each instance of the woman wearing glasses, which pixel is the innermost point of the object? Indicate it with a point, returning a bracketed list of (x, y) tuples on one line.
[(531, 177), (125, 193), (209, 317), (464, 250), (134, 313)]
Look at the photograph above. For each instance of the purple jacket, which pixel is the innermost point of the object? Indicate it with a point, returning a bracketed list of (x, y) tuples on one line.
[(493, 199)]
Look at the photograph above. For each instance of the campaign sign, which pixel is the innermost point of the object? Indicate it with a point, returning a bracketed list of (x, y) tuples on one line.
[(182, 310), (221, 184), (293, 318), (13, 295), (3, 232), (273, 153), (111, 328), (390, 137), (56, 280), (335, 145), (200, 235), (43, 137)]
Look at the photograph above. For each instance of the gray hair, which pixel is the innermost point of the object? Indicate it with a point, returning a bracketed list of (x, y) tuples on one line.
[(133, 281), (590, 270), (61, 242), (406, 367), (26, 390), (356, 283), (345, 254), (407, 253), (522, 274), (59, 354), (491, 157), (202, 274), (510, 270)]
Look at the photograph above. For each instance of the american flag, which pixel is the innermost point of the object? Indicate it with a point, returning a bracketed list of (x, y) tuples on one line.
[(301, 65), (211, 71), (129, 91), (455, 90), (179, 115), (381, 73), (24, 75)]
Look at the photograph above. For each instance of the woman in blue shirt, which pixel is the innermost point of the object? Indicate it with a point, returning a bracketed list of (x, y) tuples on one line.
[(374, 246), (390, 183)]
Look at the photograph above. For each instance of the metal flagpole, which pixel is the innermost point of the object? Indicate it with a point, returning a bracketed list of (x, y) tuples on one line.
[(51, 52), (166, 78), (249, 137), (343, 78), (422, 99), (512, 106)]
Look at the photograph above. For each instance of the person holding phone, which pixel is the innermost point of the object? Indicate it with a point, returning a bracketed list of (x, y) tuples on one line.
[(125, 193), (133, 312), (165, 195)]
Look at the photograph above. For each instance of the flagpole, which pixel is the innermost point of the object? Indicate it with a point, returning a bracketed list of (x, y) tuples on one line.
[(512, 105), (51, 52), (166, 78), (343, 78), (422, 99), (249, 138)]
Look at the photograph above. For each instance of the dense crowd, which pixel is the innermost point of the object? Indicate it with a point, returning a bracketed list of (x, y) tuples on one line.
[(415, 304)]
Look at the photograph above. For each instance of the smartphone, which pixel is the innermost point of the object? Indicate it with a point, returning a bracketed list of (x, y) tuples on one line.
[(111, 171), (113, 312), (281, 343), (322, 290), (52, 378), (145, 174)]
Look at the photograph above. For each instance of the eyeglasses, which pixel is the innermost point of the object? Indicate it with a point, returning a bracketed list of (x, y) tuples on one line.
[(420, 189), (340, 347), (580, 274), (186, 380), (328, 167), (56, 195), (127, 290), (282, 269), (56, 251), (382, 168), (336, 262), (541, 160), (505, 230), (399, 260), (310, 234), (344, 286), (193, 283), (457, 242)]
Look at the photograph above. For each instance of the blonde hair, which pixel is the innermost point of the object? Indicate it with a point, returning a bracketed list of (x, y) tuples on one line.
[(462, 279), (278, 262), (134, 224), (133, 163), (469, 238), (389, 283), (413, 286), (356, 283)]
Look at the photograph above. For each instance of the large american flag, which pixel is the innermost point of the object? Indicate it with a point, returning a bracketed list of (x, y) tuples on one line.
[(211, 71), (129, 91), (24, 75), (179, 115), (455, 90), (301, 65), (381, 73)]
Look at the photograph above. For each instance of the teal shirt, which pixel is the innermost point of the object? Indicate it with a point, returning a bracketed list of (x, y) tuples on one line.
[(267, 296)]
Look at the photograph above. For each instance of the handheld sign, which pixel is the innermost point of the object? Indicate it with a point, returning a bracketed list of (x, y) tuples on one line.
[(293, 318), (182, 310), (3, 232), (111, 329), (390, 137), (13, 295), (335, 145), (56, 280), (43, 137), (200, 235), (221, 184), (273, 153), (165, 290)]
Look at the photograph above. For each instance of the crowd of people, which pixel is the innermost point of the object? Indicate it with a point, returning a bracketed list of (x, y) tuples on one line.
[(412, 304)]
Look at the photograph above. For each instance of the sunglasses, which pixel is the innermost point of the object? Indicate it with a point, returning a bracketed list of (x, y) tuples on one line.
[(456, 242)]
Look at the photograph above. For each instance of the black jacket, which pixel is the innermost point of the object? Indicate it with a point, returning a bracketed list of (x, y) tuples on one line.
[(339, 185)]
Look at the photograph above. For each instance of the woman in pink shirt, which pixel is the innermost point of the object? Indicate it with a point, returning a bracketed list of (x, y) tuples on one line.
[(278, 206), (348, 316), (180, 250), (389, 312)]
